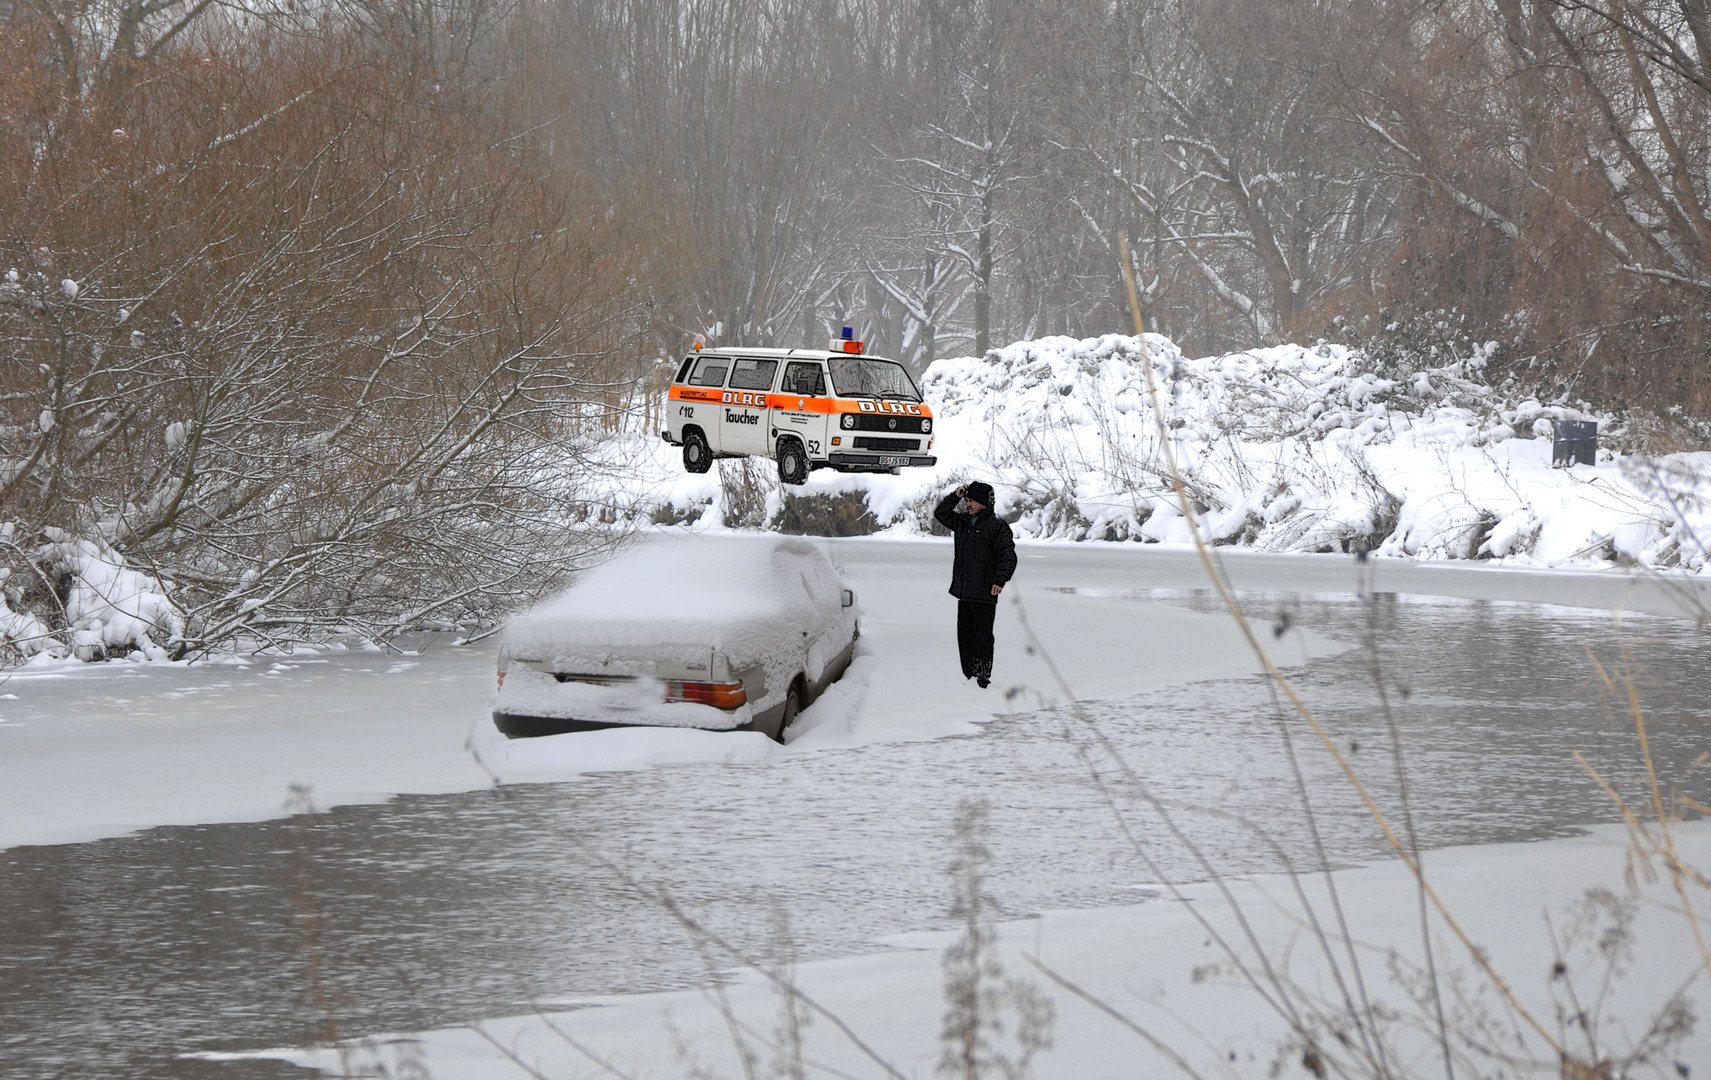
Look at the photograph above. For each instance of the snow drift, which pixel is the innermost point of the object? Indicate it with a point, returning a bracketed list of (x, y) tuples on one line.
[(104, 606), (1282, 449)]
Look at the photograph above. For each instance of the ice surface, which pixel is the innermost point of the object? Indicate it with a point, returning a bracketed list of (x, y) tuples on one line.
[(95, 750), (1156, 964), (130, 744)]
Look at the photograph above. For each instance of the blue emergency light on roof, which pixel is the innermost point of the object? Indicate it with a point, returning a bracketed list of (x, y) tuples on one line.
[(845, 344)]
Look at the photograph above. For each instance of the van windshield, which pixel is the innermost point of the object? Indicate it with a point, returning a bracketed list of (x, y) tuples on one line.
[(863, 376)]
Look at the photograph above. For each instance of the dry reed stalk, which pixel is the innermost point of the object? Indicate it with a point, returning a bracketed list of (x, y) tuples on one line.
[(705, 935), (1282, 682), (1663, 846)]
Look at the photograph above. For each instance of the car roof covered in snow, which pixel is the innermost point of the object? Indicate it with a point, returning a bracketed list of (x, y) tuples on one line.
[(748, 597)]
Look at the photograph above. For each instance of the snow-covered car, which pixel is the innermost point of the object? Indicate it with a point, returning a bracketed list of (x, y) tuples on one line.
[(728, 634), (834, 408)]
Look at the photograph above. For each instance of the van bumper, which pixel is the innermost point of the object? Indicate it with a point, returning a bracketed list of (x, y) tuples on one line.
[(878, 462)]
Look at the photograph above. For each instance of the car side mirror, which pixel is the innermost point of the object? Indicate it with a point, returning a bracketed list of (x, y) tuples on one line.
[(849, 598)]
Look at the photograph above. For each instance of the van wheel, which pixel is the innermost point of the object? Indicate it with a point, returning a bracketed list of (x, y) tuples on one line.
[(792, 706), (792, 462), (697, 455)]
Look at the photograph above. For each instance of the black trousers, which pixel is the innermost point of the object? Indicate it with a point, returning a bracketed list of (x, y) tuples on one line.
[(974, 634)]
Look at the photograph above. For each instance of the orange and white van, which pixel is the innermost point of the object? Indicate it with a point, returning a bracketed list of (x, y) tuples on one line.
[(807, 409)]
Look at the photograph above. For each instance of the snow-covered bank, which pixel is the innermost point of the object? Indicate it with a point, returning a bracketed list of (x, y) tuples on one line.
[(1283, 449), (1528, 906), (1286, 449)]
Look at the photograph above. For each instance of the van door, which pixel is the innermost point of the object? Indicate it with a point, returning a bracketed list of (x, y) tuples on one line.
[(745, 420), (700, 397), (802, 406), (705, 384)]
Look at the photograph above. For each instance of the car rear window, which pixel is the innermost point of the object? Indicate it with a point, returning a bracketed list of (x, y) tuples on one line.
[(753, 374)]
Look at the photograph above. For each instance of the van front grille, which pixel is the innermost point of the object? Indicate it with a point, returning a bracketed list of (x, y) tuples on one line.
[(867, 442), (899, 424)]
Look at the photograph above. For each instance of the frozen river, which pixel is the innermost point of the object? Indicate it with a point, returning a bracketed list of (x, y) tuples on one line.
[(123, 953)]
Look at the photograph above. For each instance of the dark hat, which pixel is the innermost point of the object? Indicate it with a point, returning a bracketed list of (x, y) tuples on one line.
[(979, 492)]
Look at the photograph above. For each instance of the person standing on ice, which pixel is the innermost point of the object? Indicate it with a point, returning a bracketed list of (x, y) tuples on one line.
[(984, 561)]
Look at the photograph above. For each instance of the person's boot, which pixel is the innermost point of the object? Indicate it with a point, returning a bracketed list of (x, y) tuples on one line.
[(983, 673)]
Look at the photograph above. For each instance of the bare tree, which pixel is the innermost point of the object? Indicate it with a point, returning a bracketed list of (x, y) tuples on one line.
[(301, 355), (1557, 152)]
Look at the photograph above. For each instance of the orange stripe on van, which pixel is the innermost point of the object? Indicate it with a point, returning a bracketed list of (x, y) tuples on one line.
[(694, 393), (798, 403)]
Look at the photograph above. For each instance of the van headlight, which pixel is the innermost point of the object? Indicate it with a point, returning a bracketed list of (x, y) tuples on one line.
[(926, 426), (849, 420)]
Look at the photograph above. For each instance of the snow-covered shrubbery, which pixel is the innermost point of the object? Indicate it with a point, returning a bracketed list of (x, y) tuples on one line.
[(1282, 449), (325, 558)]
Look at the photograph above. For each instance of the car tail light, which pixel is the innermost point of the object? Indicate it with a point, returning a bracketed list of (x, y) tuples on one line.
[(720, 695), (501, 680)]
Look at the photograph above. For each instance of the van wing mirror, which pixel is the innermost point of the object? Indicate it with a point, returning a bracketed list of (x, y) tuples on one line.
[(849, 598)]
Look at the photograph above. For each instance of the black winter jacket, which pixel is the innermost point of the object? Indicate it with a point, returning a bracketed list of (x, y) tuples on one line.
[(985, 551)]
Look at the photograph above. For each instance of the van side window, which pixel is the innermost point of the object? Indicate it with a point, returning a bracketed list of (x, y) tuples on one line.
[(710, 371), (805, 379), (683, 372), (753, 374)]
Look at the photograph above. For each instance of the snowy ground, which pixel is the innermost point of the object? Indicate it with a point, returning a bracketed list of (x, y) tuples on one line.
[(1158, 966)]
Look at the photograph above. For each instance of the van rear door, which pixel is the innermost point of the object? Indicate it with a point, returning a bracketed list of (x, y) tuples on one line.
[(705, 384)]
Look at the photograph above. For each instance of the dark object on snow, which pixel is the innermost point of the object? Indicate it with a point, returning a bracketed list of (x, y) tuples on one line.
[(985, 550), (974, 641), (1576, 443), (984, 560)]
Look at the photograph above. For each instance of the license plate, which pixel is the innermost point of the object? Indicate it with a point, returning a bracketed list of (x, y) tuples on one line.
[(883, 460)]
